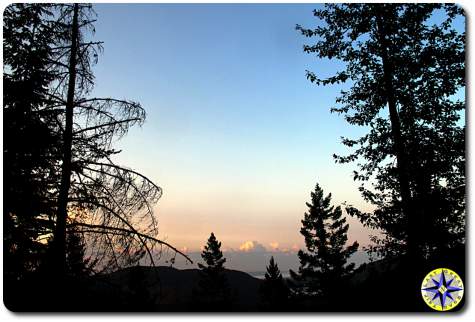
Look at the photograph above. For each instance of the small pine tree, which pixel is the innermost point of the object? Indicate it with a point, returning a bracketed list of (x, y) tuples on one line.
[(212, 255), (212, 293), (77, 265), (274, 291), (324, 266)]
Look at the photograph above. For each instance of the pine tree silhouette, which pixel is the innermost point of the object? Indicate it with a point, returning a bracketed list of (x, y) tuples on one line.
[(77, 264), (212, 255), (213, 292), (324, 266), (274, 291)]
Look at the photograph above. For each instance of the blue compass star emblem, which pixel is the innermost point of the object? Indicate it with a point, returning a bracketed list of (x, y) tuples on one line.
[(444, 289)]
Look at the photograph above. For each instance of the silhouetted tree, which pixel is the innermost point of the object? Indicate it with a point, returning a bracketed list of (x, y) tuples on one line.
[(324, 267), (213, 292), (31, 139), (62, 183), (77, 264), (274, 291), (405, 64), (110, 205)]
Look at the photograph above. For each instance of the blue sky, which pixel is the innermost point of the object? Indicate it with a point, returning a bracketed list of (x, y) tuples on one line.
[(235, 134)]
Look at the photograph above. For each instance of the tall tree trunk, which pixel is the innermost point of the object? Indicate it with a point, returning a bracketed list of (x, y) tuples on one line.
[(412, 244), (62, 211)]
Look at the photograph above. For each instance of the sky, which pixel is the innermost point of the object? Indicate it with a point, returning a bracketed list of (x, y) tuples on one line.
[(235, 134)]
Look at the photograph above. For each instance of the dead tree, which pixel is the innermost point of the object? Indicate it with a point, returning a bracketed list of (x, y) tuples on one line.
[(110, 205)]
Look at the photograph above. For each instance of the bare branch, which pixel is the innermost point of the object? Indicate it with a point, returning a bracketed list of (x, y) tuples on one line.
[(106, 125), (117, 229)]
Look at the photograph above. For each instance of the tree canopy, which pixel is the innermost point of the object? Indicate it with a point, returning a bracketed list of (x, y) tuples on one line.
[(405, 68)]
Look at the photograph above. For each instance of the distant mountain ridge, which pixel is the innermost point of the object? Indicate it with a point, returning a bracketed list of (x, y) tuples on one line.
[(164, 288), (256, 261)]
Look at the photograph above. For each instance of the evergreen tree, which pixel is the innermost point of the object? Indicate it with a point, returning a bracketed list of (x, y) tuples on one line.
[(273, 290), (77, 264), (30, 141), (213, 292), (405, 64), (212, 255), (324, 267)]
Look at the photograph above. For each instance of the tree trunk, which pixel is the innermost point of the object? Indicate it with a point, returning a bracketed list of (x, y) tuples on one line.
[(412, 245), (62, 211)]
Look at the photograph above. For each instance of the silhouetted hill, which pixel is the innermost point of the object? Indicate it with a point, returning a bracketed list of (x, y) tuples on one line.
[(384, 285), (167, 289)]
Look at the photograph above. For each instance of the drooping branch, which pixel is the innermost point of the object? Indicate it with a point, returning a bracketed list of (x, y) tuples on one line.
[(111, 124), (129, 182), (92, 198), (95, 191), (117, 229), (112, 165)]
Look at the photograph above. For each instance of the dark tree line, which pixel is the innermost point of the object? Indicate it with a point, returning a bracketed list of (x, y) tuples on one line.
[(66, 200)]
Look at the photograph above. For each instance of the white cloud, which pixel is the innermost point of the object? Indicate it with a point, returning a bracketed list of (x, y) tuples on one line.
[(274, 245), (252, 246)]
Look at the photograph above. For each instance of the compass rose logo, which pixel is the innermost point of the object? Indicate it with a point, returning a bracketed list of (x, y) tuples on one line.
[(442, 289)]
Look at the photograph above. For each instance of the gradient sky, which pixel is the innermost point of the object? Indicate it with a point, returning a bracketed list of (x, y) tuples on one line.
[(235, 134)]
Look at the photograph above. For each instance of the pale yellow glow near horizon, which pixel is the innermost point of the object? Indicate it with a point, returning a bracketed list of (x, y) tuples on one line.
[(237, 218), (241, 194)]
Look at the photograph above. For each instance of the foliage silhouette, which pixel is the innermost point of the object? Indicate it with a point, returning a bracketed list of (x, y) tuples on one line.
[(274, 291), (212, 292), (109, 204), (30, 138), (411, 163), (324, 267), (76, 262), (71, 210)]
